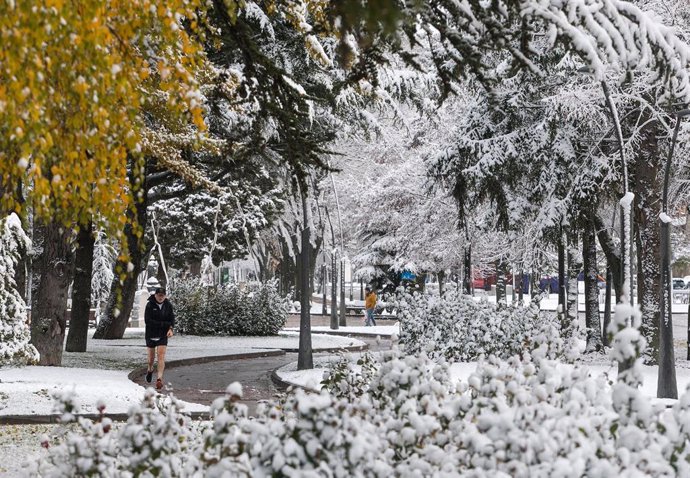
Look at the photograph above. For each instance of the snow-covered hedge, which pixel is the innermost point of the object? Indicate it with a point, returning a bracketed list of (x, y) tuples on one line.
[(521, 417), (15, 348), (229, 310), (459, 328)]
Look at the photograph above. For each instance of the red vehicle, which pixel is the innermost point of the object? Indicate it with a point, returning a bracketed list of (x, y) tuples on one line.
[(485, 281)]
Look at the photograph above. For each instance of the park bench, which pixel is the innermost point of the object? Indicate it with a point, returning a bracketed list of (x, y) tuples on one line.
[(354, 309), (92, 317)]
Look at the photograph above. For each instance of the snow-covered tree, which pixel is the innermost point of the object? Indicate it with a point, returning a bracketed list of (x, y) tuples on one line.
[(15, 348)]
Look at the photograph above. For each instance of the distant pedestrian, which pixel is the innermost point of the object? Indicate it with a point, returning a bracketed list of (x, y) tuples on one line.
[(370, 306), (159, 319)]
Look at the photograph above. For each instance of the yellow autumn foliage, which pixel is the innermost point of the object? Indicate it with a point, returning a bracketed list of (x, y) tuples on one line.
[(75, 78)]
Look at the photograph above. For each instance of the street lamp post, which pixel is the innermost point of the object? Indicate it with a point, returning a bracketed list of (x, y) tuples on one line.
[(334, 288), (666, 292), (666, 386)]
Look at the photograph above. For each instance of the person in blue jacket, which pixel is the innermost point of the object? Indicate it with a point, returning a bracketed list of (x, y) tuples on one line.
[(159, 319)]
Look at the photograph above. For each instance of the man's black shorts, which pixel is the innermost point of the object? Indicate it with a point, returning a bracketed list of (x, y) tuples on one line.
[(153, 343)]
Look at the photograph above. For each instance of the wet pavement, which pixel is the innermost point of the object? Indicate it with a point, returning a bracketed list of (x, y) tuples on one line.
[(204, 382)]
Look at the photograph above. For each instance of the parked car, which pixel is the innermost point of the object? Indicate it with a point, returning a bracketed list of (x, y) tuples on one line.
[(678, 283)]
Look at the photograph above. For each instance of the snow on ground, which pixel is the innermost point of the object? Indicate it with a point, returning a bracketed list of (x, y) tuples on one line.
[(383, 330), (20, 443), (101, 371), (29, 390), (311, 378), (550, 302)]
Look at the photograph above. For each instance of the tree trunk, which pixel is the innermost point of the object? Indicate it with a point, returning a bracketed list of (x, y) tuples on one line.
[(81, 291), (441, 279), (48, 315), (297, 272), (533, 284), (500, 282), (122, 292), (160, 275), (607, 305), (324, 285), (592, 320), (304, 355), (647, 206), (194, 265), (574, 267), (467, 267), (287, 268), (334, 288), (561, 278), (666, 384), (21, 275), (342, 320), (421, 281), (613, 259)]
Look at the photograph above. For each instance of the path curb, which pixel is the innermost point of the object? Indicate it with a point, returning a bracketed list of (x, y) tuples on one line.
[(282, 383), (121, 417), (345, 333), (356, 348), (55, 418)]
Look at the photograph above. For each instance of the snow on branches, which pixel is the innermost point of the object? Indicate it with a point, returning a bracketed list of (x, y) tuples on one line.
[(15, 348)]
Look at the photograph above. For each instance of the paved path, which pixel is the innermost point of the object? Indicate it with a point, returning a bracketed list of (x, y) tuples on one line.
[(203, 383)]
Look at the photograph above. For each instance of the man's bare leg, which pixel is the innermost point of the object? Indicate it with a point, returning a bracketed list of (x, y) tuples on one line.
[(152, 353), (161, 360)]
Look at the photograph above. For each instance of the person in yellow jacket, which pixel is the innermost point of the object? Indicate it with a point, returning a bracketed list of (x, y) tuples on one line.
[(370, 306)]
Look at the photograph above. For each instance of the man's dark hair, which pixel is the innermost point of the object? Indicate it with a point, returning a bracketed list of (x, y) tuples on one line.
[(160, 290)]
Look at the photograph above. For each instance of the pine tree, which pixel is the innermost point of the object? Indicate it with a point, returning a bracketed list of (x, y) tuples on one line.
[(15, 348)]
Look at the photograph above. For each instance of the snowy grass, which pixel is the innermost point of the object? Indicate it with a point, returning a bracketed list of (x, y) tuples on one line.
[(101, 372)]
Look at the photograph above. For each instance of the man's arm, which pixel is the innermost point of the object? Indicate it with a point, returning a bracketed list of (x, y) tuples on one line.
[(147, 313)]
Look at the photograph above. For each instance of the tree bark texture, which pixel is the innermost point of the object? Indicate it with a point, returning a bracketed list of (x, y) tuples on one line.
[(81, 291), (467, 267), (574, 268), (304, 355), (501, 282), (607, 306), (562, 287), (441, 280), (334, 289), (592, 319), (124, 285), (646, 185), (160, 275), (48, 314), (324, 291), (342, 320), (613, 259), (666, 384), (194, 265)]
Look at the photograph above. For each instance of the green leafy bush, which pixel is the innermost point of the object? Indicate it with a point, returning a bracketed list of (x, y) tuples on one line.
[(229, 310)]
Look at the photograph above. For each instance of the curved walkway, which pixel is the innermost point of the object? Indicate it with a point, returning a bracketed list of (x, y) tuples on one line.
[(101, 374), (203, 382)]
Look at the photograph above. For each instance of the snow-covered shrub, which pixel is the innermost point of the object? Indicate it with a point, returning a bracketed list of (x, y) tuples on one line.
[(153, 442), (15, 348), (350, 380), (518, 417), (459, 328), (104, 257), (525, 416), (229, 310)]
